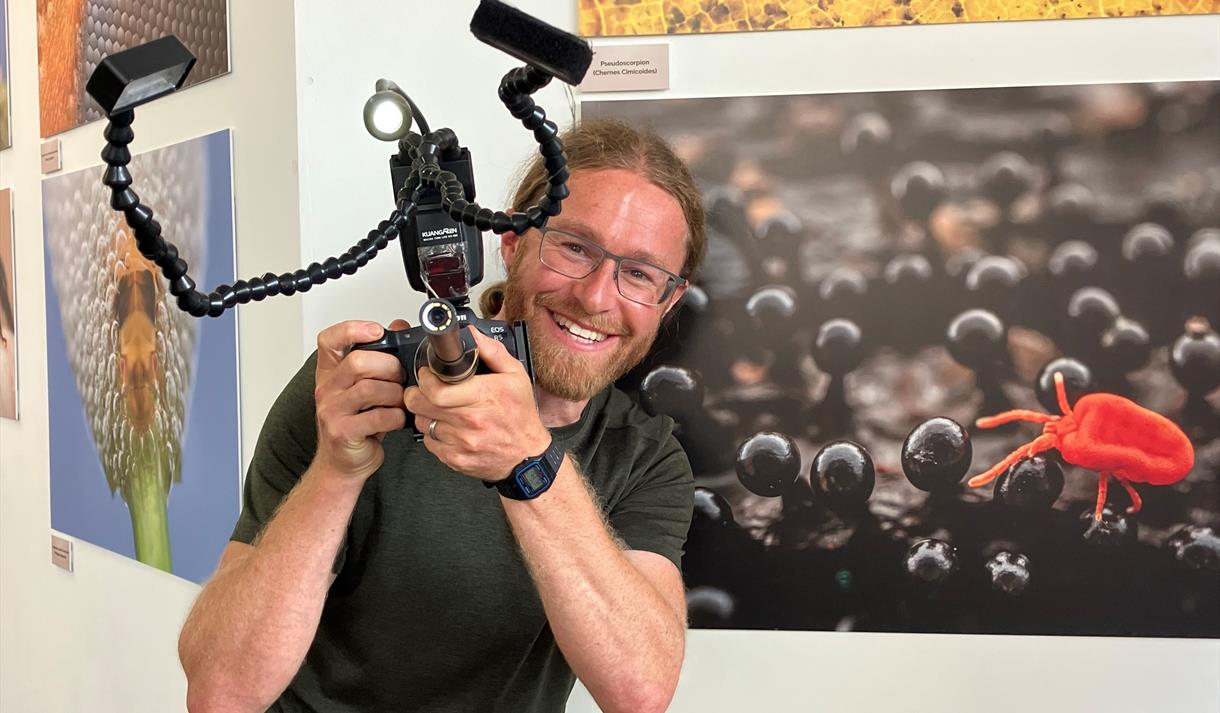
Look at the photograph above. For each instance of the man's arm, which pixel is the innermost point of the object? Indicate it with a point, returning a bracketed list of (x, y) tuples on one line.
[(619, 616), (256, 618), (253, 623)]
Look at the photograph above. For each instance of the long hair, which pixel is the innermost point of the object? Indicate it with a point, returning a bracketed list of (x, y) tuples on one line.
[(597, 144)]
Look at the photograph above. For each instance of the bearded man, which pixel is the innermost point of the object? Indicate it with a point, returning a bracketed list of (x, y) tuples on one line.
[(368, 572)]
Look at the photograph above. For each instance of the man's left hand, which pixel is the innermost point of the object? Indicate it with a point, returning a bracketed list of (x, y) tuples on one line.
[(485, 425)]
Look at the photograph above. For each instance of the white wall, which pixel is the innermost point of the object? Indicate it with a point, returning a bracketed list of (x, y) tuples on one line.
[(341, 54), (104, 637)]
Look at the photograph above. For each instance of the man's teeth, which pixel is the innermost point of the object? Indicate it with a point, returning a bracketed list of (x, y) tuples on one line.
[(579, 331)]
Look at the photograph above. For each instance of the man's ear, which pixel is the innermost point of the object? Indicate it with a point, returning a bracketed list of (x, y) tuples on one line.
[(675, 298), (510, 243)]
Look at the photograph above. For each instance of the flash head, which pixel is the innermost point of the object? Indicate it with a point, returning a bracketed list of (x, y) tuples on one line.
[(136, 76), (387, 114)]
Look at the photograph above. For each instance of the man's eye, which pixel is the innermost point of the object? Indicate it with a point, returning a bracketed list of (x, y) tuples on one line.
[(575, 248), (641, 276)]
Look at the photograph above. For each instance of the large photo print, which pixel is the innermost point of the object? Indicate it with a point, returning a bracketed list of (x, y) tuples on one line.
[(952, 363), (143, 397)]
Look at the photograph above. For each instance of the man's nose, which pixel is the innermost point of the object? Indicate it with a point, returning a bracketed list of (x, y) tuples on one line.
[(597, 292)]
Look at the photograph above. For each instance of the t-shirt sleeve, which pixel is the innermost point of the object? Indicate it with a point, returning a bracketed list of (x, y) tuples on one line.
[(286, 447), (655, 515)]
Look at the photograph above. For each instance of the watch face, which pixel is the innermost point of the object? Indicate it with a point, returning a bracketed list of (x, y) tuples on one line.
[(532, 479)]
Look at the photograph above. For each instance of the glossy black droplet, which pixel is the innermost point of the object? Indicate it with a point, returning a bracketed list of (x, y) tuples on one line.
[(1125, 346), (1194, 358), (1009, 573), (1077, 381), (1112, 531), (1033, 482), (771, 309), (1092, 310), (1005, 177), (1072, 262), (768, 464), (843, 473), (838, 347), (674, 391), (709, 607), (930, 562), (866, 139), (936, 454), (977, 339), (919, 187), (1196, 548)]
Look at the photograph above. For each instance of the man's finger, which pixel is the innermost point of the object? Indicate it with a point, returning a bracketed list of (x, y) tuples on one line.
[(494, 354), (399, 324), (335, 341)]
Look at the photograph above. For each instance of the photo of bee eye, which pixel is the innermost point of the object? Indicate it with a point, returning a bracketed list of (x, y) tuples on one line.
[(952, 364), (142, 397)]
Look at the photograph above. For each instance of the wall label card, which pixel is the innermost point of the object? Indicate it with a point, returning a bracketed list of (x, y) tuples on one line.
[(628, 68), (61, 552), (50, 156)]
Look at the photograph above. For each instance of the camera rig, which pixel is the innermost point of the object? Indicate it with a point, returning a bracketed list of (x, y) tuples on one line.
[(435, 215)]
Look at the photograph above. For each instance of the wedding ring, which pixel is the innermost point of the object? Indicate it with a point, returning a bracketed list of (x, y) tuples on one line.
[(432, 430)]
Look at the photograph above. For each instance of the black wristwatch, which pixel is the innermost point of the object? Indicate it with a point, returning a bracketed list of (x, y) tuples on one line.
[(532, 476)]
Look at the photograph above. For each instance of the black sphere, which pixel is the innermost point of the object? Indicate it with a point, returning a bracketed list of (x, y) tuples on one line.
[(1125, 346), (936, 454), (1194, 358), (1202, 263), (1072, 261), (771, 309), (1005, 177), (709, 607), (1009, 573), (1146, 241), (838, 347), (768, 464), (842, 290), (674, 391), (919, 188), (906, 272), (1113, 530), (843, 473), (1092, 310), (977, 339), (1071, 205), (1196, 548), (930, 562), (711, 512), (866, 139), (1034, 482), (1077, 381)]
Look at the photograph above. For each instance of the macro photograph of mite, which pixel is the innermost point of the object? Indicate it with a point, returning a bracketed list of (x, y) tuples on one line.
[(632, 356)]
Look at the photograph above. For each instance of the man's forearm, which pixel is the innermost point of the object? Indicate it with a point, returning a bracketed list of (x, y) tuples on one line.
[(618, 633), (254, 621)]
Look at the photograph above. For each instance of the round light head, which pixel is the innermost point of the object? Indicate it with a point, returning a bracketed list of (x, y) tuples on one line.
[(387, 116)]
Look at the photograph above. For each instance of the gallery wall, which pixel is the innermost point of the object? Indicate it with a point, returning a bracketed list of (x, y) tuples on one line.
[(103, 637), (754, 670), (309, 182)]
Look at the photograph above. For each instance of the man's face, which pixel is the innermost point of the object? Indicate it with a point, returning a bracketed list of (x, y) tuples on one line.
[(627, 215)]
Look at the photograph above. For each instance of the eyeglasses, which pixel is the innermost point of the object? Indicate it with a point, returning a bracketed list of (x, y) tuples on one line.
[(573, 256)]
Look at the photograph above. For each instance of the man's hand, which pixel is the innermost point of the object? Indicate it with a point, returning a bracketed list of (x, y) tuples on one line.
[(358, 396), (487, 424)]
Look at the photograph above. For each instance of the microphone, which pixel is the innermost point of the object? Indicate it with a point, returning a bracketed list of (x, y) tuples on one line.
[(558, 53)]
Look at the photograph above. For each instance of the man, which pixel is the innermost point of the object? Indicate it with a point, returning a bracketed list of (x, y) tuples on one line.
[(368, 572)]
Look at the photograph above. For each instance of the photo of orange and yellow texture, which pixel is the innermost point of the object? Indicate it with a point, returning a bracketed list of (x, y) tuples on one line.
[(74, 36), (615, 18)]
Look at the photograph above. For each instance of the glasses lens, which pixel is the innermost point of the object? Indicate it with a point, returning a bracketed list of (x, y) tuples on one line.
[(568, 254), (641, 282)]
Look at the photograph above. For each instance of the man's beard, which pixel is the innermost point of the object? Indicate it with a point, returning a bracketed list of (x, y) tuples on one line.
[(564, 372)]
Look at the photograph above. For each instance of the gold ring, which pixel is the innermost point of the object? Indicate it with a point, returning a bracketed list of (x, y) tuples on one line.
[(432, 430)]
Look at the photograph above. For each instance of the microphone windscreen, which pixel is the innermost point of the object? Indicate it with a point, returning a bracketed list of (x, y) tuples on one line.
[(561, 54)]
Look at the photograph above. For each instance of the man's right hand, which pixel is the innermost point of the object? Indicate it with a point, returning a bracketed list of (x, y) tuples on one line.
[(358, 395)]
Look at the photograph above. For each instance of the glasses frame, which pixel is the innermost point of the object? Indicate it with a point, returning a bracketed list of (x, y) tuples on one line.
[(671, 285)]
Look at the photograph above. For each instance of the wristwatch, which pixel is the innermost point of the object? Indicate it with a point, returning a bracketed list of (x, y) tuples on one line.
[(532, 476)]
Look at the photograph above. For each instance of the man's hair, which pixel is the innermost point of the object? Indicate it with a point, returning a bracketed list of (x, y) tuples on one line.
[(597, 144)]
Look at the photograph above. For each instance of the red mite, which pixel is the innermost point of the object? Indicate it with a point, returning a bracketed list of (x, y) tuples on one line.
[(1107, 433)]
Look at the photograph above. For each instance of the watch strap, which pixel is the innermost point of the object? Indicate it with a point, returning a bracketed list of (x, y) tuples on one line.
[(532, 476)]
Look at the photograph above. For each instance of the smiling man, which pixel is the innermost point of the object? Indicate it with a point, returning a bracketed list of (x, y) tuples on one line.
[(368, 572)]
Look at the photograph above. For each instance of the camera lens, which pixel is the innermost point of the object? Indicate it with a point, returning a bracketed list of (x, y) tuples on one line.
[(437, 316)]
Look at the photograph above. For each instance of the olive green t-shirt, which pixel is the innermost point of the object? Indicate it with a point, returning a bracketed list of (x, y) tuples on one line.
[(432, 608)]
